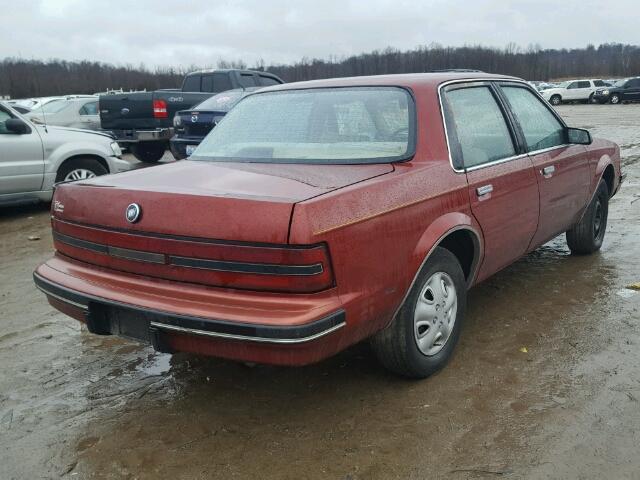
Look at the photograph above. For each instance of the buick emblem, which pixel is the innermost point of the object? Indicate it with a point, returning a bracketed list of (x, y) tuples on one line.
[(133, 213), (194, 118)]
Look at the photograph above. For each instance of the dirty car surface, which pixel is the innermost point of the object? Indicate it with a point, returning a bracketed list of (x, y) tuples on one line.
[(343, 210)]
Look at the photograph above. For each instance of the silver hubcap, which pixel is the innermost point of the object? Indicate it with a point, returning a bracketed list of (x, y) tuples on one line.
[(615, 99), (79, 174), (435, 313)]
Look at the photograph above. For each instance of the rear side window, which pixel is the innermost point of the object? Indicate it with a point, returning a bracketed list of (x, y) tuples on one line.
[(90, 108), (4, 116), (247, 80), (478, 125), (633, 83), (584, 84), (216, 82), (191, 83), (599, 83), (540, 127), (267, 81)]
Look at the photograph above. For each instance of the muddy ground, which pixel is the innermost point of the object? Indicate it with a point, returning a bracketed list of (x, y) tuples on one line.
[(75, 406)]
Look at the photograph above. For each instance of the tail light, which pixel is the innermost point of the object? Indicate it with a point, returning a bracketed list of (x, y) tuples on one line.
[(160, 109), (274, 268)]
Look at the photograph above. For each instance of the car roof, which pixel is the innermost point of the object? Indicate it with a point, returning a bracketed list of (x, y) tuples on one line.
[(225, 70), (407, 80)]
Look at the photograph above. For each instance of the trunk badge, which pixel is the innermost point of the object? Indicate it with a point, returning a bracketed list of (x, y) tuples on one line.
[(133, 213)]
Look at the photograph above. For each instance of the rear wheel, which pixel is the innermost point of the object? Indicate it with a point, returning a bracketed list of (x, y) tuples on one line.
[(421, 338), (148, 151), (80, 169), (615, 99), (556, 100), (587, 235)]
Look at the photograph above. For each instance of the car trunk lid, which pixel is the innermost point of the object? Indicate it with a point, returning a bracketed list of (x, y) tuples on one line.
[(207, 223), (224, 201)]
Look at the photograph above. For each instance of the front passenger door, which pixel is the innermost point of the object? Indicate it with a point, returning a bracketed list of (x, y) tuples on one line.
[(21, 159), (562, 170)]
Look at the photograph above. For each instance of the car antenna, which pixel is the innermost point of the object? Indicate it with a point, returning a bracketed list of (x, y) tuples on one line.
[(44, 117)]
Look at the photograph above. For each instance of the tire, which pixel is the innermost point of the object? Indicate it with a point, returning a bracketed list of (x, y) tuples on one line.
[(591, 99), (615, 99), (150, 152), (80, 169), (406, 347), (587, 235), (555, 100)]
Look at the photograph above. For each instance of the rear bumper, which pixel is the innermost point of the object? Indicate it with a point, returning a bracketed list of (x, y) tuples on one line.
[(272, 330), (134, 136)]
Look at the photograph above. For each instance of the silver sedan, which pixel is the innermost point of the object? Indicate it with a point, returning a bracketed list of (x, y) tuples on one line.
[(81, 112)]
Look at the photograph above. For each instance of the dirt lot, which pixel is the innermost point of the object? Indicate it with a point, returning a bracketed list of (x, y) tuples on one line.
[(74, 405)]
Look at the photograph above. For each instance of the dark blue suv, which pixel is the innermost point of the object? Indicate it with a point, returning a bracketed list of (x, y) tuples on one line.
[(191, 126)]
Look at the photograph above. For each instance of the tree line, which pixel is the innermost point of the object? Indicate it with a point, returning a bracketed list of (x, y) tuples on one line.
[(28, 78)]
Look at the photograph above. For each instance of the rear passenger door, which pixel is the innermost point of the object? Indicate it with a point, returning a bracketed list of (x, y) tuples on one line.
[(89, 116), (503, 191), (562, 170), (632, 90), (579, 90)]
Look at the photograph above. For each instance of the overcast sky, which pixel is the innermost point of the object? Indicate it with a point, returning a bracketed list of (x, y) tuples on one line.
[(200, 32)]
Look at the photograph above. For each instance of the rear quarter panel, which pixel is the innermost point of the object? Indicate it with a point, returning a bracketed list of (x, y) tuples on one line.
[(380, 231), (602, 153)]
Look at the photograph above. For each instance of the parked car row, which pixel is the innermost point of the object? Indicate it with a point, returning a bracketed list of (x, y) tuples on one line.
[(143, 121), (573, 91), (591, 91)]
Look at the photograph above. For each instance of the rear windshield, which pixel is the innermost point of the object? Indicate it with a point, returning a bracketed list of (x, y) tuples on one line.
[(325, 125), (223, 102), (54, 106)]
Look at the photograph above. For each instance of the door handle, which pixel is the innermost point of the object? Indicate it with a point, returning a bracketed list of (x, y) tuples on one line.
[(484, 190), (548, 171)]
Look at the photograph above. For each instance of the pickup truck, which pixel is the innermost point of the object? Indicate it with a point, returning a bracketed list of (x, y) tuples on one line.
[(142, 121)]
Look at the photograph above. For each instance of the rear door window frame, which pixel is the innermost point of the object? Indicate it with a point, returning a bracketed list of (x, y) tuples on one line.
[(453, 144), (512, 123)]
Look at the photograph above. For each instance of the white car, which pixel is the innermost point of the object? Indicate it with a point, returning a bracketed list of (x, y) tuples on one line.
[(572, 91), (34, 157), (77, 112)]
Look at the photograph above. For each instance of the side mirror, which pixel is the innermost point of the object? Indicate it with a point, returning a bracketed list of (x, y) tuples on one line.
[(579, 136), (17, 126)]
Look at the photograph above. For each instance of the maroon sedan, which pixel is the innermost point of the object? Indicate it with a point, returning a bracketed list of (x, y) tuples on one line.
[(320, 214)]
